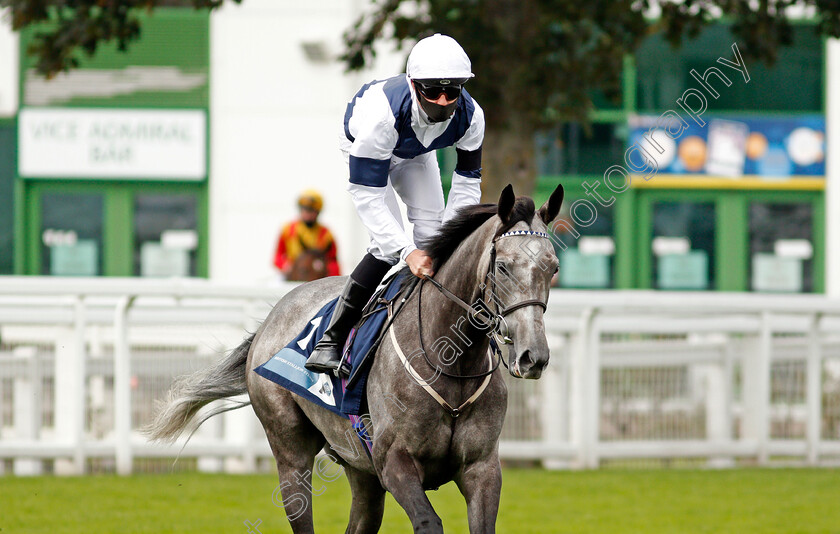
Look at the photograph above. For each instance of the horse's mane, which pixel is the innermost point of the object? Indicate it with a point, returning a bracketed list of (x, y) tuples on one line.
[(466, 221)]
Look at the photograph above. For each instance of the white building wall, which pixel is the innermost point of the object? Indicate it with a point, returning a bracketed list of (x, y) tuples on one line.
[(832, 174), (8, 67), (275, 118)]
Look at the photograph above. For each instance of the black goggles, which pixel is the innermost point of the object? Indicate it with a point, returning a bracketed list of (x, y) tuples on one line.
[(433, 92)]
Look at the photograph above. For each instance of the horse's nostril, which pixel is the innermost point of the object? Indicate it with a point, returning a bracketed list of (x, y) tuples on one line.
[(526, 357), (532, 359)]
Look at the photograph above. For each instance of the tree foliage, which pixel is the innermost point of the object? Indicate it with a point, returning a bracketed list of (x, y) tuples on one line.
[(68, 26), (540, 61)]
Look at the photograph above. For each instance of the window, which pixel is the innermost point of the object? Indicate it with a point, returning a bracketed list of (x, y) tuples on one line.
[(71, 234), (683, 245), (781, 250), (166, 235)]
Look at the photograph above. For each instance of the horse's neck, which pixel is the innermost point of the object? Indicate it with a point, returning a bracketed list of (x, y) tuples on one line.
[(460, 274)]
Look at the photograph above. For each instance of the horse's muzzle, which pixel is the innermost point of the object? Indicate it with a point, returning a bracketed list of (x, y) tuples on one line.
[(529, 365)]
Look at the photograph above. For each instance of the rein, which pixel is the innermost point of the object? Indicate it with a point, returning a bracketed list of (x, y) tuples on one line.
[(479, 314), (463, 304)]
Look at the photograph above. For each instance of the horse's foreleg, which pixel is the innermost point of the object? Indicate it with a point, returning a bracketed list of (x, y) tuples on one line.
[(481, 484), (368, 502), (400, 476)]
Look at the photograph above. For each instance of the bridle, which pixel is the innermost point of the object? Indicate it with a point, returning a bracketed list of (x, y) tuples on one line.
[(495, 320), (483, 316)]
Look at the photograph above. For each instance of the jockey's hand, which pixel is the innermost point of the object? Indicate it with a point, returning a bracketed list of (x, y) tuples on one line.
[(420, 263)]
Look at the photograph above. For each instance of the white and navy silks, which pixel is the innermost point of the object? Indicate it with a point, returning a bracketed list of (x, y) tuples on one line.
[(389, 145)]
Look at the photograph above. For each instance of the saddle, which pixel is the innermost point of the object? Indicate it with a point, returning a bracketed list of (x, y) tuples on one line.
[(339, 395), (392, 293)]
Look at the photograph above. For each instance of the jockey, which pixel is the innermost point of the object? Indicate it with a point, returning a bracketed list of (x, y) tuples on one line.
[(304, 234), (392, 128)]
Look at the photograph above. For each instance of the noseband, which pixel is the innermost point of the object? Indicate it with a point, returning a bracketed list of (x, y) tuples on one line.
[(496, 320)]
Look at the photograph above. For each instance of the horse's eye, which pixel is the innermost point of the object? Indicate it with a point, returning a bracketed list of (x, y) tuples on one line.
[(501, 267)]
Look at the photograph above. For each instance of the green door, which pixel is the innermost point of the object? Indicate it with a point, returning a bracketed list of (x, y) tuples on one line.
[(785, 242), (731, 240), (677, 240), (115, 229)]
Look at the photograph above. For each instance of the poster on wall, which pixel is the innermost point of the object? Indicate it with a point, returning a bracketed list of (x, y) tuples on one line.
[(770, 148), (112, 143)]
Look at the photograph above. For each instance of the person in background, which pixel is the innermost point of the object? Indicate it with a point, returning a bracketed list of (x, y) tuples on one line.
[(392, 129), (306, 249)]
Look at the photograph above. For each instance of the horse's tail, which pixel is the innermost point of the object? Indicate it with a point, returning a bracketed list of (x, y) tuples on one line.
[(190, 393)]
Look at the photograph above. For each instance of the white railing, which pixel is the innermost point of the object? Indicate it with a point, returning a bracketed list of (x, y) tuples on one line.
[(635, 375)]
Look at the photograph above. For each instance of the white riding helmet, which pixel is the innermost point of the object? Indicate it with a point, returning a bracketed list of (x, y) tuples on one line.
[(439, 57)]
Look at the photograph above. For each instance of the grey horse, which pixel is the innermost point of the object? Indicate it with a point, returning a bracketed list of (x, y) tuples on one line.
[(435, 415)]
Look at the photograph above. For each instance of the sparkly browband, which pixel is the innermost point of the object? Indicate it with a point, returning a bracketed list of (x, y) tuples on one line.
[(523, 232)]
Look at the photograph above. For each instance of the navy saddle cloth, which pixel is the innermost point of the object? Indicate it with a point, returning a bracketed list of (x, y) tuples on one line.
[(287, 366)]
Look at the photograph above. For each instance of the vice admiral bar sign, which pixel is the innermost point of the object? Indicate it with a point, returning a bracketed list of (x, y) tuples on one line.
[(110, 143)]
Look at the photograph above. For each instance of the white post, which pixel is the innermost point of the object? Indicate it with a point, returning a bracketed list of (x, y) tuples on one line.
[(210, 431), (762, 390), (832, 171), (813, 391), (239, 430), (755, 373), (728, 393), (593, 394), (579, 373), (70, 371), (122, 387), (717, 407), (27, 409), (586, 385), (553, 413), (101, 406)]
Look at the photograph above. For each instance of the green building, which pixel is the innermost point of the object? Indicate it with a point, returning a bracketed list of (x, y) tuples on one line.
[(705, 176), (737, 204)]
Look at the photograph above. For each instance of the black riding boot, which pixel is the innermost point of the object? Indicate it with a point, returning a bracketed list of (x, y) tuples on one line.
[(348, 310)]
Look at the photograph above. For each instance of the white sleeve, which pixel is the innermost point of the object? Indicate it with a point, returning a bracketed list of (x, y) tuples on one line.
[(383, 228), (464, 192)]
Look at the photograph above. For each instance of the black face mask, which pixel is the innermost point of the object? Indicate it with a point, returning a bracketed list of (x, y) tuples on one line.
[(436, 112)]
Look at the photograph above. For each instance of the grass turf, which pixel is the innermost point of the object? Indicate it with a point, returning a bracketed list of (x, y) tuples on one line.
[(533, 501)]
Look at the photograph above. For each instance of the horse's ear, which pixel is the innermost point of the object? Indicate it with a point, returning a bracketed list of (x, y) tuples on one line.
[(551, 208), (506, 201)]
